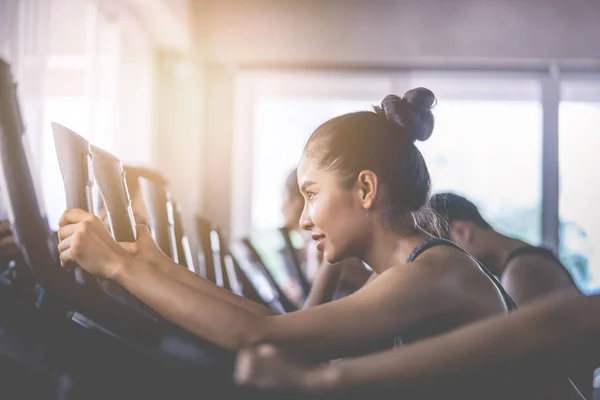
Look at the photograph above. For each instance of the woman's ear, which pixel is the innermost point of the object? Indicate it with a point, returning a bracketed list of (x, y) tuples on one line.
[(367, 183)]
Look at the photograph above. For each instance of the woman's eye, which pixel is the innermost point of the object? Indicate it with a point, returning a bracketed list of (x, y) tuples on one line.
[(310, 195)]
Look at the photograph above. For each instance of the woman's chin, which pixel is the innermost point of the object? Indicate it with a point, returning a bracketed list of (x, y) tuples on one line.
[(330, 257)]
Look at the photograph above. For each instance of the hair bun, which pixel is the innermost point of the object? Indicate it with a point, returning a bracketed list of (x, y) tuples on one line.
[(412, 112)]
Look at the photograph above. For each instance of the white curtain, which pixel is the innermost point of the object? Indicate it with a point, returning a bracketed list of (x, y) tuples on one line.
[(24, 44)]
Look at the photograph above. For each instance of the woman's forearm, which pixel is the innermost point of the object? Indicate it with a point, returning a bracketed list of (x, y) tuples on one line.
[(543, 339), (184, 275), (219, 321)]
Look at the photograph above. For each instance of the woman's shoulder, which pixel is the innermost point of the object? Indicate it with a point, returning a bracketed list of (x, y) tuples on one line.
[(449, 259), (425, 273), (446, 270)]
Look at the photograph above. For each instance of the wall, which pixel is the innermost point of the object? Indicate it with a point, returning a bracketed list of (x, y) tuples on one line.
[(378, 32)]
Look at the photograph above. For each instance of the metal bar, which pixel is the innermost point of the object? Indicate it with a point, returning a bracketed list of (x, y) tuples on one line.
[(550, 162)]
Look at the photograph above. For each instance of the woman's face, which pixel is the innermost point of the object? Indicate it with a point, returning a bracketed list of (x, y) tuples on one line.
[(335, 215)]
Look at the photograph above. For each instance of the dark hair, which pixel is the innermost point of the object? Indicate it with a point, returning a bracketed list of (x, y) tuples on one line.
[(453, 207), (291, 185), (382, 141)]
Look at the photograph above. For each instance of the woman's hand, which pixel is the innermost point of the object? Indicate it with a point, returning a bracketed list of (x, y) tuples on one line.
[(145, 248), (84, 240), (266, 368)]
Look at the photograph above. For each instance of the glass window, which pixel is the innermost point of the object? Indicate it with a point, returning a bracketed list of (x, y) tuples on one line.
[(487, 145), (285, 124), (579, 139), (98, 83), (490, 152)]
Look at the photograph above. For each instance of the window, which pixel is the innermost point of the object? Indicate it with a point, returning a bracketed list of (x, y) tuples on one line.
[(99, 82), (487, 146), (487, 143), (579, 139), (285, 109), (490, 152), (285, 124), (78, 79)]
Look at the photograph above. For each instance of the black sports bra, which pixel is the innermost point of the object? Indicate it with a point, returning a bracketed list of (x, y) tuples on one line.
[(432, 242), (528, 250)]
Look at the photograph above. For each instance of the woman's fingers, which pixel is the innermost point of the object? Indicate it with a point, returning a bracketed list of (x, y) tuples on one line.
[(67, 231), (66, 259), (65, 244), (75, 215), (254, 364), (243, 366)]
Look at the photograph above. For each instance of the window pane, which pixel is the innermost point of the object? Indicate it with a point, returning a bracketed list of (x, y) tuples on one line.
[(282, 126), (490, 152), (579, 191)]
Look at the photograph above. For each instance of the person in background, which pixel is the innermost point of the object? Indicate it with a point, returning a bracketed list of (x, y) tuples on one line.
[(291, 208), (293, 203), (526, 272)]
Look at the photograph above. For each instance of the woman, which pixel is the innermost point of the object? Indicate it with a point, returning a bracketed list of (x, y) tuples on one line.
[(518, 356), (362, 178)]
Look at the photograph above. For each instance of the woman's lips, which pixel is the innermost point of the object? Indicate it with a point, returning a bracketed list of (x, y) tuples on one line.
[(320, 241)]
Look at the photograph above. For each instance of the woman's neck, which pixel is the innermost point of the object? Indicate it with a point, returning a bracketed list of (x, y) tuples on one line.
[(388, 249)]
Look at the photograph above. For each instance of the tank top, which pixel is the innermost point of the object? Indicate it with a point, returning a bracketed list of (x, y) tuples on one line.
[(432, 242), (528, 250)]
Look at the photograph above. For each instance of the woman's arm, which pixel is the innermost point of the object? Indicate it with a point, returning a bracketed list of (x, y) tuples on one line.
[(332, 330), (146, 250), (537, 344), (540, 343)]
